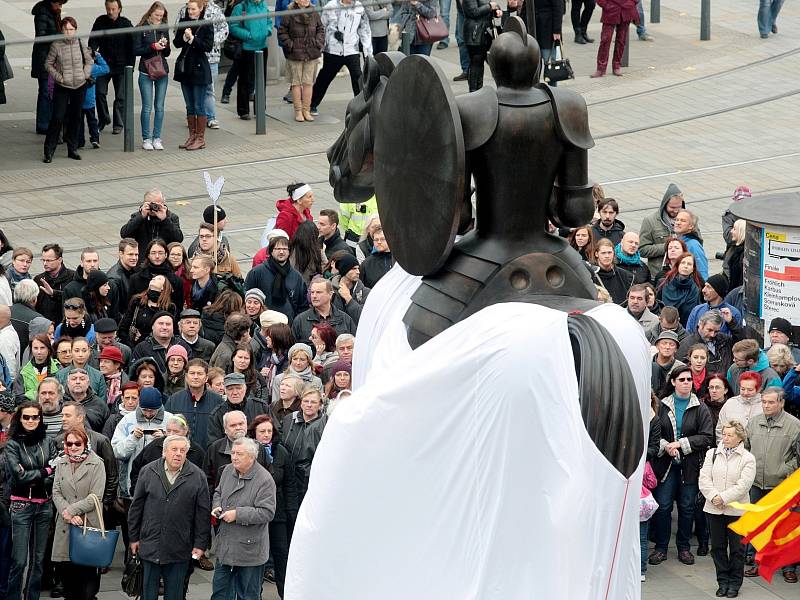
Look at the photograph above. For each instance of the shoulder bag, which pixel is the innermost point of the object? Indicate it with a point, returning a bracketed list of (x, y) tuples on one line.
[(92, 547), (232, 48), (430, 30), (557, 67), (155, 67)]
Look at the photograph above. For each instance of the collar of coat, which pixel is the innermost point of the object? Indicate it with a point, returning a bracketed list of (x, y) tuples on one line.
[(670, 402)]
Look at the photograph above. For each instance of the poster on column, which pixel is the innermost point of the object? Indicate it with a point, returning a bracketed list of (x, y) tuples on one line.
[(780, 275)]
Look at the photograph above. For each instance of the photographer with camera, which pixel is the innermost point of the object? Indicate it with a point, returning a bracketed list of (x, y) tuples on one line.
[(152, 221)]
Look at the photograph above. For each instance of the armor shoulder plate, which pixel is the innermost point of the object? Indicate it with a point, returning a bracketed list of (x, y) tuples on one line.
[(478, 112), (572, 117)]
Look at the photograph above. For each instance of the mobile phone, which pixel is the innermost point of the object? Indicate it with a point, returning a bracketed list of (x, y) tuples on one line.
[(149, 431)]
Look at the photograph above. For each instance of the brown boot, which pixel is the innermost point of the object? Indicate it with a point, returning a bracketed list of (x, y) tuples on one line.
[(307, 111), (199, 141), (298, 111), (191, 120)]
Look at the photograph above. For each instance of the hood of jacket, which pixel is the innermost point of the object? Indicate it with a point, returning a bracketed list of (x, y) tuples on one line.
[(43, 6), (762, 362), (38, 325), (672, 190), (147, 359), (693, 235)]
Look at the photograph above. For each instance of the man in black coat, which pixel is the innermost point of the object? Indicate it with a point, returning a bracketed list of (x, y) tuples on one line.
[(158, 342), (90, 261), (236, 400), (189, 327), (122, 271), (51, 283), (152, 220), (332, 241), (117, 50), (196, 402), (169, 519)]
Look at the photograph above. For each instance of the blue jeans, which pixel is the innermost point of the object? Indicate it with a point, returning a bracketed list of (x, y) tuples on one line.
[(767, 14), (30, 524), (211, 104), (463, 55), (421, 49), (641, 28), (90, 118), (44, 106), (194, 96), (444, 10), (666, 494), (173, 574), (644, 528), (546, 52), (239, 583), (153, 95)]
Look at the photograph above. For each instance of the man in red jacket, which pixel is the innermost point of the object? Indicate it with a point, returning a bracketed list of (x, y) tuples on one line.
[(617, 15)]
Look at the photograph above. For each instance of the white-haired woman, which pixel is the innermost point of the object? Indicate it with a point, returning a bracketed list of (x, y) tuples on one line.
[(726, 476)]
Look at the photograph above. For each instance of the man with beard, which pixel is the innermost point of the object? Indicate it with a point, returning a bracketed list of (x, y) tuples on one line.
[(283, 287), (658, 227), (49, 395), (637, 308), (608, 226)]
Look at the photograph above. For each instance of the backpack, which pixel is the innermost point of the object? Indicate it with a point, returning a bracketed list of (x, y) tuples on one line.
[(229, 281)]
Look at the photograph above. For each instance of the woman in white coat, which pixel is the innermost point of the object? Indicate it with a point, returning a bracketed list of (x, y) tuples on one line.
[(726, 476)]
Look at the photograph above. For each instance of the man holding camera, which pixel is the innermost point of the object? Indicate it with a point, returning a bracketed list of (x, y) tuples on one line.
[(152, 220)]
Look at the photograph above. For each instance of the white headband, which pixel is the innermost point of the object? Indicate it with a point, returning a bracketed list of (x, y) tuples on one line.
[(300, 192)]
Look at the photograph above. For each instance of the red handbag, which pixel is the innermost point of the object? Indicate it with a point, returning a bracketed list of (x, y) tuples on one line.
[(430, 30), (155, 67)]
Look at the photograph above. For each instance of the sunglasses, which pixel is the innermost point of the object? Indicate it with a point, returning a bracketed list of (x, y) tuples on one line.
[(73, 444), (73, 306), (684, 379), (31, 417)]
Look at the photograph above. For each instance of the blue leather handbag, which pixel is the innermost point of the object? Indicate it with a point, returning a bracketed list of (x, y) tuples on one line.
[(92, 547)]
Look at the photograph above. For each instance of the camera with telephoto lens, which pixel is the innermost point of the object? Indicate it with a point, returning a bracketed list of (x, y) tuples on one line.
[(339, 36)]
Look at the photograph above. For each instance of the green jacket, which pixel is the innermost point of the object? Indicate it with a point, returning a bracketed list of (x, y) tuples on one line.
[(26, 382), (253, 32), (774, 448)]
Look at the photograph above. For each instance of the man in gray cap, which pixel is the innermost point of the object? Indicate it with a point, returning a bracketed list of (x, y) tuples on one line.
[(105, 334), (235, 399), (189, 327), (664, 360)]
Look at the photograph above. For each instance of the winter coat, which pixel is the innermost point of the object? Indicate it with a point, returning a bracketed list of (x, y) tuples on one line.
[(45, 22), (728, 476), (682, 293), (52, 307), (127, 447), (379, 18), (739, 409), (146, 229), (647, 320), (95, 406), (352, 21), (697, 436), (254, 32), (206, 295), (640, 272), (375, 266), (21, 317), (288, 218), (614, 234), (168, 521), (213, 328), (200, 348), (29, 464), (282, 475), (296, 302), (659, 374), (143, 47), (549, 14), (656, 228), (774, 448), (302, 37), (155, 450), (116, 49), (245, 541), (617, 282), (305, 322), (477, 17), (358, 293), (769, 377), (618, 11), (196, 70), (407, 16), (221, 31), (694, 244), (301, 440), (251, 407), (26, 383), (720, 357), (69, 63), (71, 490), (197, 412), (99, 68), (120, 280), (701, 309)]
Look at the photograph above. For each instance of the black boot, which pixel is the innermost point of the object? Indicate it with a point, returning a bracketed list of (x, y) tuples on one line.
[(586, 38), (579, 37)]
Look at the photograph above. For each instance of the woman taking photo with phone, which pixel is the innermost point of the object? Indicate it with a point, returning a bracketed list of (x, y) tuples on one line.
[(152, 46)]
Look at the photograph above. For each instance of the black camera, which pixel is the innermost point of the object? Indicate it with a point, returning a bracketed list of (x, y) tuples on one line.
[(339, 36)]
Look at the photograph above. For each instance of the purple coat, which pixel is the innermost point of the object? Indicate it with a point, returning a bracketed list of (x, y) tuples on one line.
[(618, 11)]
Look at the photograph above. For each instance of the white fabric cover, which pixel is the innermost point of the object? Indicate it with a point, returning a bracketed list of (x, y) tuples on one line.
[(462, 470)]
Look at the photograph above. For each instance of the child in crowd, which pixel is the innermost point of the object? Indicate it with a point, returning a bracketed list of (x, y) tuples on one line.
[(99, 68)]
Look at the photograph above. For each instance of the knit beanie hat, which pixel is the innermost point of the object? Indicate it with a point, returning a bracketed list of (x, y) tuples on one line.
[(95, 280), (208, 214), (150, 397), (178, 350), (7, 404), (782, 325), (303, 348), (345, 263), (720, 284), (257, 294)]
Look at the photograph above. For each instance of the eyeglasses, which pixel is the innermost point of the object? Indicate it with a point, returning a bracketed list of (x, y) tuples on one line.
[(73, 306), (684, 379), (205, 237), (31, 417), (73, 444), (49, 260)]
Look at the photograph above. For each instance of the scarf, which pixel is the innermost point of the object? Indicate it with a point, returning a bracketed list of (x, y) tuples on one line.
[(197, 291), (698, 379), (164, 269), (14, 278), (278, 292), (79, 458), (114, 385), (80, 331), (627, 259), (306, 374)]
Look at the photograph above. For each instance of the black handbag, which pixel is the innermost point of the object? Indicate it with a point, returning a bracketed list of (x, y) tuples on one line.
[(133, 577), (557, 69), (232, 48), (180, 66)]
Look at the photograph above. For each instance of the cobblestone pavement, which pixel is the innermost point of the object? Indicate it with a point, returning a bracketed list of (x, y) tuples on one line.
[(706, 115)]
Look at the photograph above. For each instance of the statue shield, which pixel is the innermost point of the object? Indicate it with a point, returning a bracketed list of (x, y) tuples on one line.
[(419, 165)]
